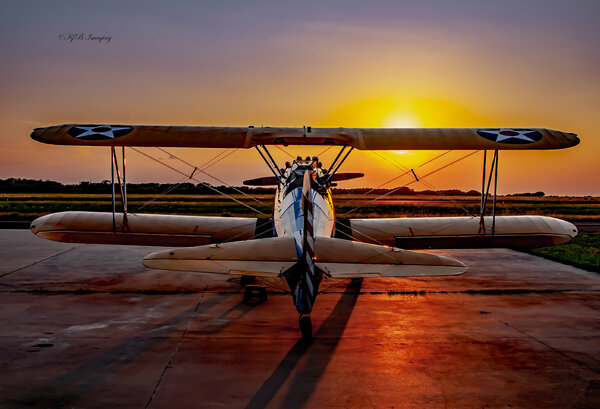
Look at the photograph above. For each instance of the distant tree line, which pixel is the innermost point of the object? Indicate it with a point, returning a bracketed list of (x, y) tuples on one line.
[(536, 194), (406, 191), (14, 185)]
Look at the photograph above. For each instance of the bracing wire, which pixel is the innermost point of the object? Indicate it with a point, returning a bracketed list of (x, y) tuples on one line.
[(166, 191), (284, 151), (404, 168), (214, 177), (199, 181), (428, 184), (183, 180), (264, 223), (411, 182), (215, 158), (206, 165), (323, 151)]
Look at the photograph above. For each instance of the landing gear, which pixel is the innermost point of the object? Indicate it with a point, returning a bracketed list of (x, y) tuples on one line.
[(305, 324), (248, 280), (255, 294)]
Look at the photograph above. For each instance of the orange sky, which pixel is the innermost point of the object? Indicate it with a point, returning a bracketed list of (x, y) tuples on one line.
[(396, 64)]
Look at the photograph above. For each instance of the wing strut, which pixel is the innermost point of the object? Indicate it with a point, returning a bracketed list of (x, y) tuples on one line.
[(270, 162), (114, 168), (332, 172), (486, 191)]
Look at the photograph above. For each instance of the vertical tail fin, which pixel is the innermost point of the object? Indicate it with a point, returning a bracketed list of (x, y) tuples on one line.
[(309, 281), (304, 277), (308, 235)]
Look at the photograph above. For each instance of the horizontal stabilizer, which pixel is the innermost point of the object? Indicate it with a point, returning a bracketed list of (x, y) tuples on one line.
[(261, 257), (359, 138), (464, 232), (272, 256), (350, 259), (142, 229)]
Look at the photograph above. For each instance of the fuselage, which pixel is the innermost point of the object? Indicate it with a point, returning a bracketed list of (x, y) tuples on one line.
[(304, 210), (288, 211)]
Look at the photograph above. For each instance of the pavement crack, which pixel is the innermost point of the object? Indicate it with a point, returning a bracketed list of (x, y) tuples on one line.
[(39, 261), (174, 352), (558, 351)]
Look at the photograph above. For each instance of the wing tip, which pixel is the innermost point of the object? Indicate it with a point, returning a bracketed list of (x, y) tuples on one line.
[(35, 134), (573, 138)]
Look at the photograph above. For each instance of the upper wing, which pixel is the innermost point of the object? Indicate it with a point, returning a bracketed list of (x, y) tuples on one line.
[(360, 138), (464, 232)]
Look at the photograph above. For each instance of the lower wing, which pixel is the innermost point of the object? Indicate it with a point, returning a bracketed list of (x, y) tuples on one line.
[(464, 232), (142, 229)]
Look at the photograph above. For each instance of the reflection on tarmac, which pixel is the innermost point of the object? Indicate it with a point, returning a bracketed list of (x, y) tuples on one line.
[(89, 326), (318, 354)]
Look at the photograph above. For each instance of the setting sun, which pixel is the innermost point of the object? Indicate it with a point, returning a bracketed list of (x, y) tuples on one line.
[(402, 120), (400, 72)]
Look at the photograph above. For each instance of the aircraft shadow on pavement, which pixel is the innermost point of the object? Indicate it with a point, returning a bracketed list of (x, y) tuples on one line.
[(68, 388), (317, 352)]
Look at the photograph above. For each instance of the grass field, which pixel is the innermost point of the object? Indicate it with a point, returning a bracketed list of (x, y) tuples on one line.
[(582, 252), (27, 207)]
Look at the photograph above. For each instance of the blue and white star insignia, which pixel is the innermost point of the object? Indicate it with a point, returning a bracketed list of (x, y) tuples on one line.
[(512, 136), (99, 132)]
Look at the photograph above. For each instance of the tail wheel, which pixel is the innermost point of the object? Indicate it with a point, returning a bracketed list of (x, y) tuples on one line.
[(305, 324)]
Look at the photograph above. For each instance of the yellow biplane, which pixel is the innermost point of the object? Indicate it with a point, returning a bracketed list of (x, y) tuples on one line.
[(305, 248)]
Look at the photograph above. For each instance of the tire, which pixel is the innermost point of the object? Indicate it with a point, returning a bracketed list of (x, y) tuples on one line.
[(305, 324)]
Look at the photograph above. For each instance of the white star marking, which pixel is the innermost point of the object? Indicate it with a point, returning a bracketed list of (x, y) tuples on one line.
[(109, 134), (520, 135)]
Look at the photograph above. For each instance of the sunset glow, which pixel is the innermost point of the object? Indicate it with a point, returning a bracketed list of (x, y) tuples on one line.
[(332, 64)]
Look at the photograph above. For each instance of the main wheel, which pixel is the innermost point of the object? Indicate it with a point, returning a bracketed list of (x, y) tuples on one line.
[(255, 294), (305, 324)]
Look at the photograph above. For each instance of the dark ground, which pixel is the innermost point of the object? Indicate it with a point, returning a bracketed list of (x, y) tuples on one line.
[(89, 326)]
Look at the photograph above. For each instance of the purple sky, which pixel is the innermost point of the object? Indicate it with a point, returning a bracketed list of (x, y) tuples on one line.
[(343, 63)]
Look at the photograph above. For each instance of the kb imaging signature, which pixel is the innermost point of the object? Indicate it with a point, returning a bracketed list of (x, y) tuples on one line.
[(70, 37)]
